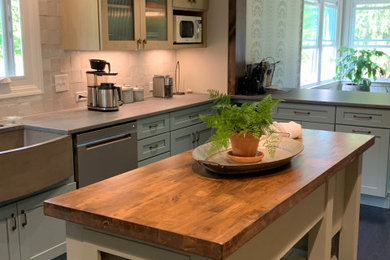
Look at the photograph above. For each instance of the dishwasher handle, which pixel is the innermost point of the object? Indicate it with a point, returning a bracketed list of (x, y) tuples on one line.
[(108, 141)]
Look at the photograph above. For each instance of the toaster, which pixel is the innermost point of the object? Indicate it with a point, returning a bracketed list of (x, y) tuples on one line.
[(162, 86)]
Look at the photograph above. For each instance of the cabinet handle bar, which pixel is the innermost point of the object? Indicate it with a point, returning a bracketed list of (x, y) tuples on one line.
[(302, 112), (24, 223), (362, 117), (15, 225), (361, 131)]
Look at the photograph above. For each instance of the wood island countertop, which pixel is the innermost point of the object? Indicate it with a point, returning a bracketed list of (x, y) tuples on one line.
[(178, 204)]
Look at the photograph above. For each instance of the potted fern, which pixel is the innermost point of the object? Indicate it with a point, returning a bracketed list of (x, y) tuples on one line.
[(359, 66), (242, 125)]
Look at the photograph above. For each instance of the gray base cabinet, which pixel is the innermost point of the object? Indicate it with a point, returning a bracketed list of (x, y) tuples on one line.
[(189, 138), (375, 164), (168, 134), (26, 233)]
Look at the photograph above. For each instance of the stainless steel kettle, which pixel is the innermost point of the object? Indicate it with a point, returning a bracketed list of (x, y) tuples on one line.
[(108, 97)]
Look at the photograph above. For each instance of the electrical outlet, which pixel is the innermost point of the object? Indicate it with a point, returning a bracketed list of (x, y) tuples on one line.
[(61, 82), (81, 96)]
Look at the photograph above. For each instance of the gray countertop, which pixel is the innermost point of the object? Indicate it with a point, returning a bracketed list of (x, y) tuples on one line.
[(328, 97), (82, 119)]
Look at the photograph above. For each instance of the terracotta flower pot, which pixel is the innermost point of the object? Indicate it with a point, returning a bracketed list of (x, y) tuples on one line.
[(244, 145)]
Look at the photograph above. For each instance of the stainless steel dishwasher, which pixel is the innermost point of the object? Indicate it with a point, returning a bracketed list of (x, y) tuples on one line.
[(106, 152)]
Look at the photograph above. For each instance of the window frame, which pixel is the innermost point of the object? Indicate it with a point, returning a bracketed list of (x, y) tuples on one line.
[(32, 81), (322, 4)]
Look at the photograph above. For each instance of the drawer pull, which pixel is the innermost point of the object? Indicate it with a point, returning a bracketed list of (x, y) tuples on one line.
[(14, 226), (153, 126), (361, 132), (302, 112), (193, 116), (362, 117), (155, 146), (25, 218)]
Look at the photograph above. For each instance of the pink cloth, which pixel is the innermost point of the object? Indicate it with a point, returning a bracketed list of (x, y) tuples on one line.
[(293, 129)]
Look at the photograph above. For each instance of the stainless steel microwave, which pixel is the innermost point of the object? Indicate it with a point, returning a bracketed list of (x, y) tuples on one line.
[(187, 29)]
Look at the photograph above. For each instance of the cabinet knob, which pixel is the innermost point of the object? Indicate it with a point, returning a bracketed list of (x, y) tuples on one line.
[(138, 44), (143, 43)]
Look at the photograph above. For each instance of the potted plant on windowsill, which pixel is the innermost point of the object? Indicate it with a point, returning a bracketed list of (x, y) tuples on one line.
[(243, 125), (359, 66)]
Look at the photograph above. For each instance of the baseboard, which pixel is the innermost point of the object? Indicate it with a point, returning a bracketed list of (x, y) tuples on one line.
[(375, 201)]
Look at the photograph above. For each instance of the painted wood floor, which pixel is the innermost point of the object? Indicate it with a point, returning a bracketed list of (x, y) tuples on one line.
[(374, 233)]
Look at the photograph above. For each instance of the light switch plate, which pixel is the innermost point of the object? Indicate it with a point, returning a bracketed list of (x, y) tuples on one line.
[(61, 82)]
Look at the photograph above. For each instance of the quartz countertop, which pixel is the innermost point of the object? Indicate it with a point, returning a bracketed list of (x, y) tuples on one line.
[(327, 97), (177, 203), (81, 119)]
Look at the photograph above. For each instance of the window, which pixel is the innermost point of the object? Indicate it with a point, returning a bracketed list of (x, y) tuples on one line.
[(370, 27), (320, 41), (20, 50)]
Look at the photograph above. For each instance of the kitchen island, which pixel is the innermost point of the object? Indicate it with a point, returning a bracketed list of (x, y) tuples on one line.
[(175, 209)]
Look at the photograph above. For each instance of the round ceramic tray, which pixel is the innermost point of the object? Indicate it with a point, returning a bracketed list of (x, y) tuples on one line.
[(219, 162)]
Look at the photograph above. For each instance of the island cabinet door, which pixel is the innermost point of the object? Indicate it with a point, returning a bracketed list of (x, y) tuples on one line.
[(9, 236), (375, 159), (41, 237)]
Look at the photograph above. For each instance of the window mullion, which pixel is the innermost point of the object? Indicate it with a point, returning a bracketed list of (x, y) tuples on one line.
[(320, 36), (8, 38)]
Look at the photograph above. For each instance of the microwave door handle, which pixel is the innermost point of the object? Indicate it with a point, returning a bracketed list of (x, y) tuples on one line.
[(197, 36)]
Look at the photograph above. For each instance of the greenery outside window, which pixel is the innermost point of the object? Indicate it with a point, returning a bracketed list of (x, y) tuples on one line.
[(370, 28), (320, 41), (20, 49)]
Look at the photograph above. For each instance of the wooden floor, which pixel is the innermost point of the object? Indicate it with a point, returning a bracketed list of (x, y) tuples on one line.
[(374, 233)]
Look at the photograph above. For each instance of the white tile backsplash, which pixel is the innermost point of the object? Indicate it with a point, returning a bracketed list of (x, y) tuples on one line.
[(134, 68)]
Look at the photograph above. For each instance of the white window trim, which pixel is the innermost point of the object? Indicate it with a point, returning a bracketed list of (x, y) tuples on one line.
[(32, 82), (322, 4)]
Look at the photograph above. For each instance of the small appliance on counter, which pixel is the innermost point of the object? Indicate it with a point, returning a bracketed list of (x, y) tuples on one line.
[(103, 95), (162, 86), (258, 77)]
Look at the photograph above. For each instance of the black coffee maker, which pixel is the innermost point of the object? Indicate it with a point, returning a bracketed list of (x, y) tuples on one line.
[(253, 83), (257, 77)]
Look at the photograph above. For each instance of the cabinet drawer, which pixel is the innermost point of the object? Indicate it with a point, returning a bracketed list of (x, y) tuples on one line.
[(318, 126), (189, 116), (152, 126), (153, 146), (304, 112), (154, 159), (191, 4), (363, 117)]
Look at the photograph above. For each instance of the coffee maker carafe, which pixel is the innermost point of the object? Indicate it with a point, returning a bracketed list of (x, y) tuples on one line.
[(102, 94)]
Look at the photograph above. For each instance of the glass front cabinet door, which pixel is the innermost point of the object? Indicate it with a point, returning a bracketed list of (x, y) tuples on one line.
[(136, 24)]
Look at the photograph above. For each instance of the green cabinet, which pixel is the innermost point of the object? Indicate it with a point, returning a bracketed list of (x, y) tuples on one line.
[(189, 138), (26, 233)]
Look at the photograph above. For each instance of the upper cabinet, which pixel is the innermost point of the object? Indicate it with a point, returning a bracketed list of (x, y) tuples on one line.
[(125, 24), (117, 24), (190, 4)]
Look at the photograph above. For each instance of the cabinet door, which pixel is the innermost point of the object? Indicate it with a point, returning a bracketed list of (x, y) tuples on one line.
[(41, 237), (156, 24), (203, 133), (120, 24), (375, 159), (9, 236), (182, 140), (188, 138)]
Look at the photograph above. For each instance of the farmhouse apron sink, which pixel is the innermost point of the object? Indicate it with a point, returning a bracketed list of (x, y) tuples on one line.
[(31, 160)]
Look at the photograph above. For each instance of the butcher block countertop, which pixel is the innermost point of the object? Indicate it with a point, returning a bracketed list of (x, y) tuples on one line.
[(178, 204)]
